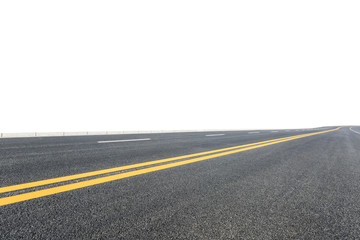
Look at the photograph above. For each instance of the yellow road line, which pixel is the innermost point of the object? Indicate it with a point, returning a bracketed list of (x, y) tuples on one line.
[(116, 169), (73, 186)]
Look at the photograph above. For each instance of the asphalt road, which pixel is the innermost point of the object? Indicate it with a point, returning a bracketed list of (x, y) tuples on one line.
[(292, 188)]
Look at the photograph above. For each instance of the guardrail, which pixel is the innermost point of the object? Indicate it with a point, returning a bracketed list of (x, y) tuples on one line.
[(58, 134)]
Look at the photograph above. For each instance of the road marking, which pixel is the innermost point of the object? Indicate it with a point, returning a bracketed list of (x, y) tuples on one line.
[(354, 130), (127, 167), (213, 135), (87, 183), (252, 132), (125, 140)]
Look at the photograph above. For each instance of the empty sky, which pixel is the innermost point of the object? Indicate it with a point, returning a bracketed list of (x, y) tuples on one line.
[(157, 65)]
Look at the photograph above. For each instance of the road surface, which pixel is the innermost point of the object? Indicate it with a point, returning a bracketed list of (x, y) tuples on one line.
[(273, 184)]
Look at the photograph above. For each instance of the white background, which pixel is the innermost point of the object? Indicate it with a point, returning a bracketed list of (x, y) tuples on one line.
[(158, 65)]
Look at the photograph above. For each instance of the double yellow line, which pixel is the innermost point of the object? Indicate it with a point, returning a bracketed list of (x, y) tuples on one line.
[(175, 162)]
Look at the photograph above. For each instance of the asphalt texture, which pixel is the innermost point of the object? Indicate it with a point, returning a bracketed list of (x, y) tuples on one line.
[(307, 188)]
